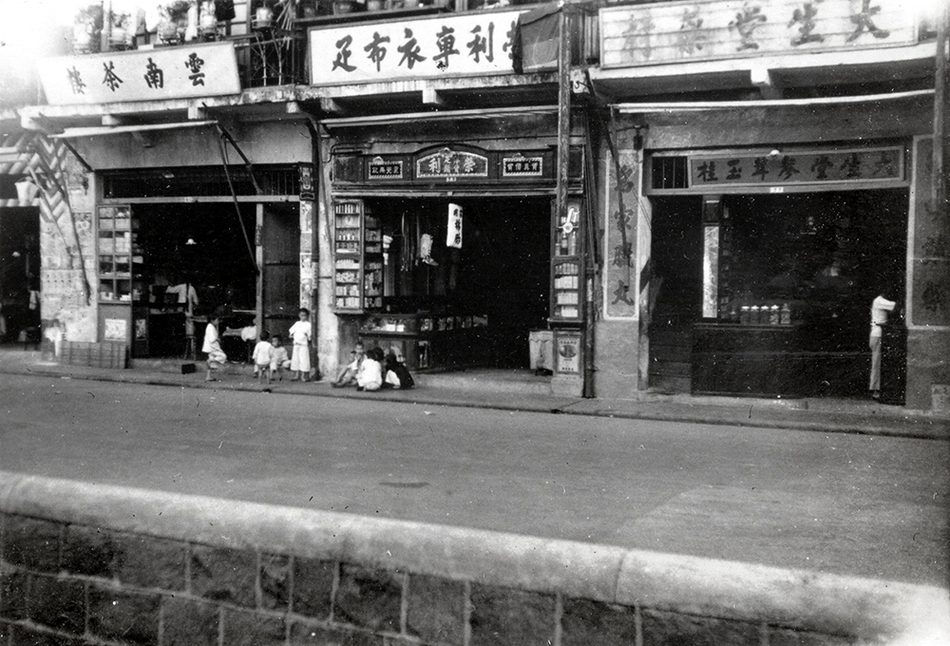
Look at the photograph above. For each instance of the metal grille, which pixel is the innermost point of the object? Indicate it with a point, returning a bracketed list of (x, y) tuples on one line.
[(199, 182), (669, 172)]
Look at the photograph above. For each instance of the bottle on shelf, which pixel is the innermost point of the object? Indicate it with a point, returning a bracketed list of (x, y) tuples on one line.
[(785, 314), (773, 315)]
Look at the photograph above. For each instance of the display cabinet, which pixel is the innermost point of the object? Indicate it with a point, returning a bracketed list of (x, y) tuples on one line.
[(120, 258), (357, 258), (566, 262)]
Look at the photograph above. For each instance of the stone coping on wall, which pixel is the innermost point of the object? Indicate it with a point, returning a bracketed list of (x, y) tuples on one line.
[(876, 611)]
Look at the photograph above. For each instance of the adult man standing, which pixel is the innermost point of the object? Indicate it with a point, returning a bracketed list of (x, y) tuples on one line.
[(880, 307)]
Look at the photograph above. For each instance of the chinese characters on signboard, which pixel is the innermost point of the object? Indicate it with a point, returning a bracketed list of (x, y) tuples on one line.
[(522, 167), (383, 169), (677, 32), (448, 164), (872, 164), (143, 75), (424, 48)]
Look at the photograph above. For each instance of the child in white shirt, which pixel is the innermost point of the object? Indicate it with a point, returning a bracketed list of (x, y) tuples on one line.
[(263, 356), (301, 332), (279, 361), (370, 374)]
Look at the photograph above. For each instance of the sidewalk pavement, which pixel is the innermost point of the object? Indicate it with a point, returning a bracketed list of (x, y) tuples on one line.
[(485, 389)]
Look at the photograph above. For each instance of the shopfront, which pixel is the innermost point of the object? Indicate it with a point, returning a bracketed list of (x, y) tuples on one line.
[(448, 253), (756, 263)]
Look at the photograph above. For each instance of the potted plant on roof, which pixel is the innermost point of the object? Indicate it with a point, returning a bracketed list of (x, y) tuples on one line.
[(87, 29), (174, 22)]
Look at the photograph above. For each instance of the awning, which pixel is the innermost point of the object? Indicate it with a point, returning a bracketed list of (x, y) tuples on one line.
[(706, 106), (98, 131), (447, 115)]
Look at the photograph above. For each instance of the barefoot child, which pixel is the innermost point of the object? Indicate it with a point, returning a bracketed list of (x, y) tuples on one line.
[(263, 356), (301, 332)]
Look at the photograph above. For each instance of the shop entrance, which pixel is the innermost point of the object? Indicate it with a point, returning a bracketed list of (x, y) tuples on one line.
[(786, 309), (19, 274), (196, 249), (496, 284)]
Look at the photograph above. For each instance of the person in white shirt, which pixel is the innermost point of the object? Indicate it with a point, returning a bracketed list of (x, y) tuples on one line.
[(263, 357), (370, 374), (279, 360), (212, 347), (301, 332), (880, 307)]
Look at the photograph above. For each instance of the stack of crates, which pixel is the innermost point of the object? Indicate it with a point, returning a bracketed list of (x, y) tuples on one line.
[(95, 355)]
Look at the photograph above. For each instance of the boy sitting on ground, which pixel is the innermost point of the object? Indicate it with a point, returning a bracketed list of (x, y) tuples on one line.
[(347, 374)]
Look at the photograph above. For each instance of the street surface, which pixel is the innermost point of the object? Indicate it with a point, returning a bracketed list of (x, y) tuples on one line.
[(847, 504)]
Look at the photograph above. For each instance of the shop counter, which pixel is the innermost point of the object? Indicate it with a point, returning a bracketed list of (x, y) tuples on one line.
[(772, 360), (431, 341)]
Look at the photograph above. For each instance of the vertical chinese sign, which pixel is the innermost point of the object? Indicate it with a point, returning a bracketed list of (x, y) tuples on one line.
[(423, 48)]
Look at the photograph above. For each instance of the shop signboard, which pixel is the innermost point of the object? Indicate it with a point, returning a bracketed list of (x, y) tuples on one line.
[(451, 164), (824, 167), (677, 32), (384, 169), (521, 166), (445, 46), (208, 69)]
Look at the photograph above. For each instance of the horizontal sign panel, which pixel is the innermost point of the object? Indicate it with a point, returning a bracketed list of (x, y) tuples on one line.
[(141, 75), (677, 32), (423, 48), (864, 165)]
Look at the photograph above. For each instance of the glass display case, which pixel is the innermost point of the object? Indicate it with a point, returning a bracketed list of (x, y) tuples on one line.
[(566, 276), (358, 258)]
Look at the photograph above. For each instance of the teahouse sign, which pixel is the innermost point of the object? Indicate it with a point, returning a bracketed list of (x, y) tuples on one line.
[(141, 75), (424, 48)]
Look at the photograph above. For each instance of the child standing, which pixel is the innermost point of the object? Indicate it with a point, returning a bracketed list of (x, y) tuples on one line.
[(301, 332), (263, 356), (212, 346), (279, 360)]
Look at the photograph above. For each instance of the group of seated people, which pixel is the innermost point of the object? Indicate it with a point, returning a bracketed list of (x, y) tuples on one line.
[(373, 370)]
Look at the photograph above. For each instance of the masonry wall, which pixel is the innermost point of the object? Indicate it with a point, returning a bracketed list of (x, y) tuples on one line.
[(83, 564)]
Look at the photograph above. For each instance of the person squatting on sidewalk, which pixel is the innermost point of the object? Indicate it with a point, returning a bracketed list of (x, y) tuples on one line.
[(263, 358)]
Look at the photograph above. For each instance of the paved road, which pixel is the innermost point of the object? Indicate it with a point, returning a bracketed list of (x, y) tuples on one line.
[(852, 504)]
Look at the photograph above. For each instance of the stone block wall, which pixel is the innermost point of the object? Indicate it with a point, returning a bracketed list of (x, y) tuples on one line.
[(93, 565)]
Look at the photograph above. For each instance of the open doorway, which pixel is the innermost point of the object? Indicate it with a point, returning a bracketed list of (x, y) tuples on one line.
[(500, 272), (199, 249), (19, 274)]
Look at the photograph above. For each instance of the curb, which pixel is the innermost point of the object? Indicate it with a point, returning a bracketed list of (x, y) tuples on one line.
[(785, 416), (897, 612)]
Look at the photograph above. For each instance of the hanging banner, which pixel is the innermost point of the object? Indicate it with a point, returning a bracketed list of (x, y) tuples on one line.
[(453, 237), (459, 45), (208, 69)]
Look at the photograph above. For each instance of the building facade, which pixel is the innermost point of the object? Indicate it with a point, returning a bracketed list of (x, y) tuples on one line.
[(667, 197)]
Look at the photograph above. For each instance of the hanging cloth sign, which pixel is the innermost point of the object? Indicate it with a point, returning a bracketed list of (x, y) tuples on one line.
[(453, 237)]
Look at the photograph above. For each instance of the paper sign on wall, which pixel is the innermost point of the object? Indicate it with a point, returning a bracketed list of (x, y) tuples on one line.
[(453, 237)]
